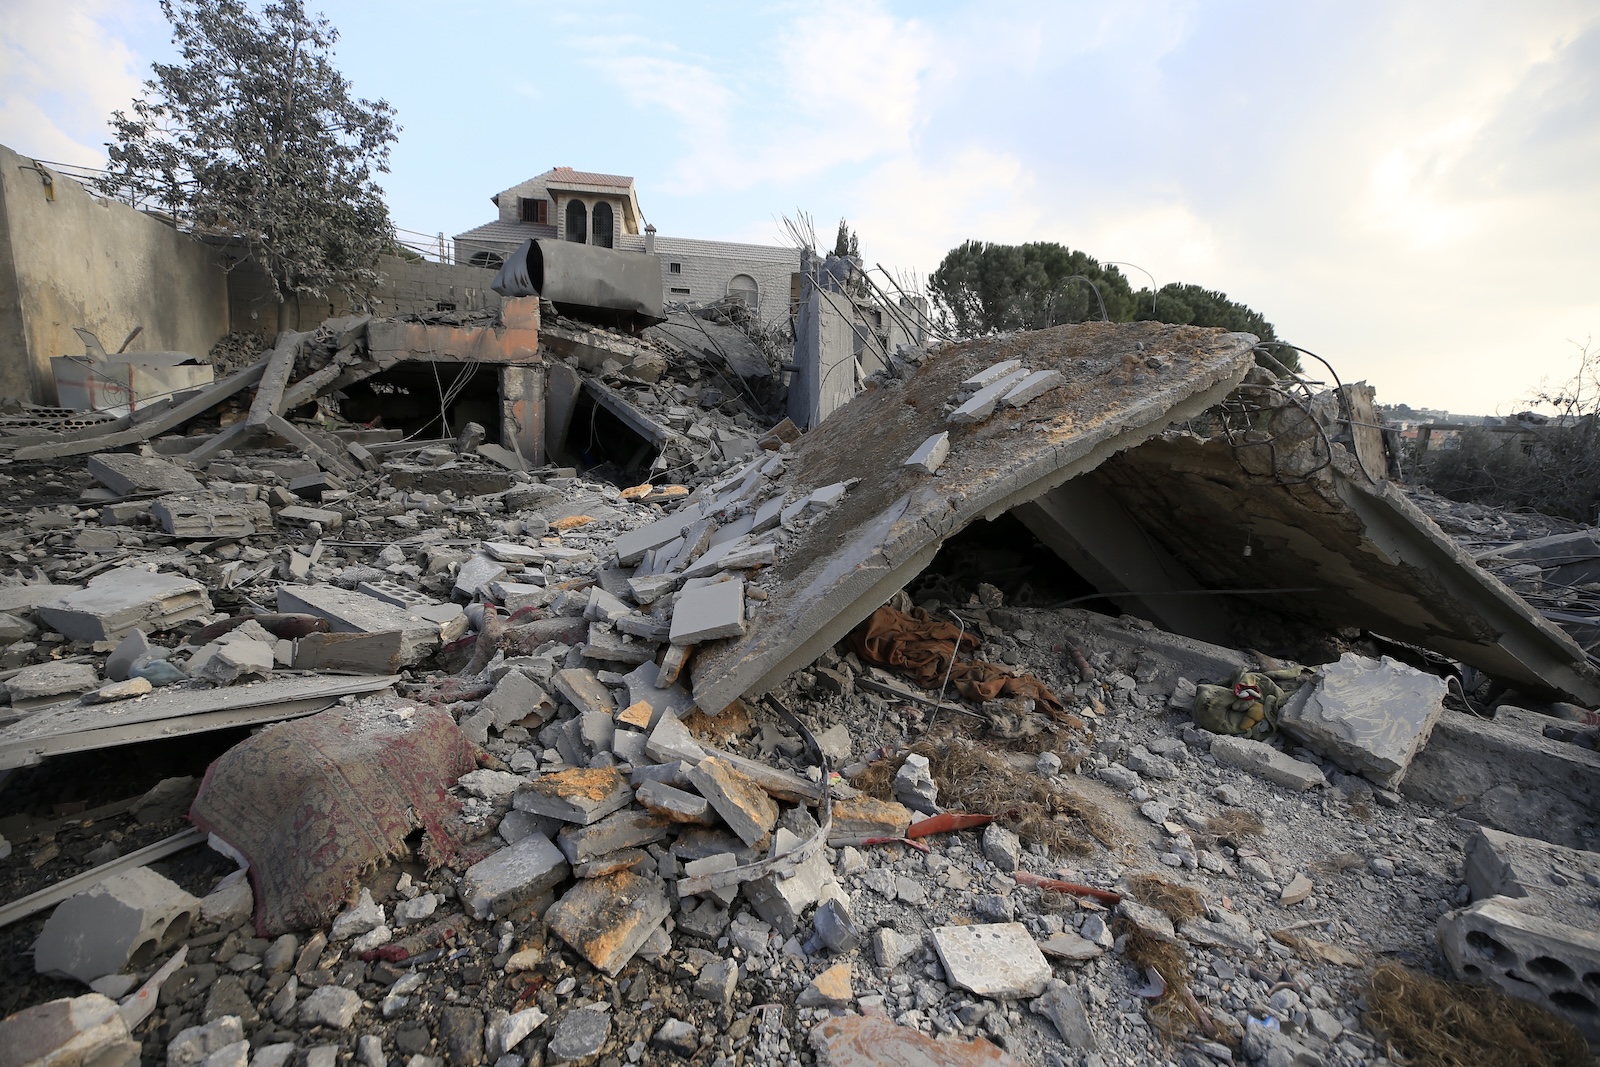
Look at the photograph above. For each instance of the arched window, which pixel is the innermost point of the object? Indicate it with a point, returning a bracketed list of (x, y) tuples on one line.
[(577, 222), (602, 224), (485, 258), (743, 288)]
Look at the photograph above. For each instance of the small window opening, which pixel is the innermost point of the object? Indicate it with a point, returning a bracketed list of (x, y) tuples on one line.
[(577, 222), (535, 209), (674, 268), (602, 225)]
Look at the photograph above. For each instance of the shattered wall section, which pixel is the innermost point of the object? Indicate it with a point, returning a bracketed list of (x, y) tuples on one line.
[(69, 258)]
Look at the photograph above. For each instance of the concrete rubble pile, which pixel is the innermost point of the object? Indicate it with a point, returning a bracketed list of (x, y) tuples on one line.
[(703, 833)]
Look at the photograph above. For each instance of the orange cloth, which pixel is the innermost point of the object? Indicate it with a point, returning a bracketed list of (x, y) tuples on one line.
[(921, 648)]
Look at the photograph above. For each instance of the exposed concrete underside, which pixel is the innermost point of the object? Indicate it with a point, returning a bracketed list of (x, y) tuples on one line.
[(1124, 383), (1374, 560)]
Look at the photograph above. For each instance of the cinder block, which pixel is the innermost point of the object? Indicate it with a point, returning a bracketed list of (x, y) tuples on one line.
[(126, 920), (1526, 950), (708, 613)]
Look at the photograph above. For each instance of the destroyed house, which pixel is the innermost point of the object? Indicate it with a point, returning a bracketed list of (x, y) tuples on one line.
[(602, 210)]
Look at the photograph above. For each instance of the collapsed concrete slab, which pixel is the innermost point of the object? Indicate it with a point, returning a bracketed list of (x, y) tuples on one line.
[(125, 920), (858, 553), (1505, 773), (1329, 544)]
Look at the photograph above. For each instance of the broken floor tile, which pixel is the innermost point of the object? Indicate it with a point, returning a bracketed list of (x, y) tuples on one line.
[(997, 960)]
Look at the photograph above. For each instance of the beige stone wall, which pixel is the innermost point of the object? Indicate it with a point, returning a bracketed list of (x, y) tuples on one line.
[(70, 258)]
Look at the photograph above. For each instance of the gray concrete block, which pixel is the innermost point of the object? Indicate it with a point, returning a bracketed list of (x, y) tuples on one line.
[(475, 576), (709, 613), (1368, 716), (195, 1044), (583, 690), (579, 795), (348, 611), (930, 455), (631, 546), (673, 804), (1506, 774), (42, 684), (515, 698), (608, 919), (983, 402), (126, 474), (671, 741), (991, 374), (126, 920), (629, 828), (86, 1031), (1264, 761), (782, 902), (737, 799), (1532, 951), (1033, 386), (115, 603), (513, 875)]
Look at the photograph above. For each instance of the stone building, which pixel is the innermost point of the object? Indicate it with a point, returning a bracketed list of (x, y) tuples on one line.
[(603, 210)]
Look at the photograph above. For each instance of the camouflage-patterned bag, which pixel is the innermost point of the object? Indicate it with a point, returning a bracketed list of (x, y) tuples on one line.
[(1248, 707)]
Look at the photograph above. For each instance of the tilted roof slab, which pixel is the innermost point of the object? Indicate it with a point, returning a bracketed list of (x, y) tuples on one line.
[(1123, 383)]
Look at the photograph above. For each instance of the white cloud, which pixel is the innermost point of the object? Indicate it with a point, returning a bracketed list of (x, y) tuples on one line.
[(63, 70)]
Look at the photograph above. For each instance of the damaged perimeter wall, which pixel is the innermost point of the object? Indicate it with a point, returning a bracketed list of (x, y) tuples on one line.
[(69, 258)]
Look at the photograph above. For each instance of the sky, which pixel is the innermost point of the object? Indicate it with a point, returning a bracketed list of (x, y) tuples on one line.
[(1411, 190)]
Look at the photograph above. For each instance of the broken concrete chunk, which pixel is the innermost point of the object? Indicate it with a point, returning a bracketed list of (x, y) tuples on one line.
[(618, 831), (632, 546), (583, 690), (374, 653), (298, 515), (983, 402), (126, 474), (118, 601), (580, 795), (742, 804), (475, 576), (606, 920), (194, 1045), (348, 611), (782, 902), (203, 515), (1371, 717), (86, 1031), (1034, 385), (930, 455), (43, 684), (1264, 761), (996, 960), (127, 919), (1006, 368), (865, 816), (516, 698), (673, 804), (709, 613), (514, 875), (914, 785)]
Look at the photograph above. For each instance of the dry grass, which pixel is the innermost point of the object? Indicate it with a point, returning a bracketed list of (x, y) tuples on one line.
[(1452, 1024), (1336, 864), (972, 778), (1176, 901), (1171, 1013), (1233, 826)]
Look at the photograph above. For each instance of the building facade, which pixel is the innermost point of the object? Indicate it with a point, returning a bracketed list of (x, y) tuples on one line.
[(563, 204)]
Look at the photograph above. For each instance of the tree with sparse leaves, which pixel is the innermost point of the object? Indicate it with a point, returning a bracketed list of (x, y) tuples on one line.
[(846, 243), (254, 135)]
